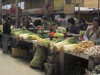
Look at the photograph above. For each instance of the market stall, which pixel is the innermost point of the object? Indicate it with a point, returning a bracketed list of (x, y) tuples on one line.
[(58, 50)]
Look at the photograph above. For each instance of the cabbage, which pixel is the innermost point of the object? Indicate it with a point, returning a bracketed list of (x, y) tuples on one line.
[(58, 46), (69, 47)]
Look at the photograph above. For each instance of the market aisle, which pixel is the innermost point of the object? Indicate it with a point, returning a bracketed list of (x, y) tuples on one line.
[(16, 66)]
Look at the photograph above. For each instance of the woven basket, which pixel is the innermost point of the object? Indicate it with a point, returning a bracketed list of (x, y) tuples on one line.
[(18, 52)]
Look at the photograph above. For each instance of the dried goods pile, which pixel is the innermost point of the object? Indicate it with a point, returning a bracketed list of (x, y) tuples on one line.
[(82, 46)]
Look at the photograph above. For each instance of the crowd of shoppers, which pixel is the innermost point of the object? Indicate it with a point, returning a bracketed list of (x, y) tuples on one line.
[(92, 32)]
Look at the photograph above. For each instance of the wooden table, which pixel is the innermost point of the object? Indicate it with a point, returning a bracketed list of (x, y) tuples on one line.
[(92, 60)]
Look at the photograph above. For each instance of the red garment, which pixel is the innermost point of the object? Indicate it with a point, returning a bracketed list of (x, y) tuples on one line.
[(52, 27), (52, 34), (39, 27)]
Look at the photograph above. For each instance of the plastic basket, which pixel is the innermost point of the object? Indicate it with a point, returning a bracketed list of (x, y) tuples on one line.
[(18, 52)]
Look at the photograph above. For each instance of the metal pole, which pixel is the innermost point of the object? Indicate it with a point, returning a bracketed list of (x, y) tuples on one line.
[(0, 11), (98, 9), (20, 4), (20, 8), (16, 13), (41, 3), (46, 9), (79, 10)]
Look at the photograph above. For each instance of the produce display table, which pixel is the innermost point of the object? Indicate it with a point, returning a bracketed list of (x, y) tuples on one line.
[(32, 42), (92, 60)]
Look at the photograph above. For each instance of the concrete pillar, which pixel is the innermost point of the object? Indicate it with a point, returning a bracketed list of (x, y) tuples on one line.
[(0, 11), (79, 10), (16, 13)]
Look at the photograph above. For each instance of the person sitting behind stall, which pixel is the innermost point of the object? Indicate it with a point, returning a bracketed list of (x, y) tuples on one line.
[(46, 25), (83, 26), (27, 25), (93, 32), (37, 22), (73, 27)]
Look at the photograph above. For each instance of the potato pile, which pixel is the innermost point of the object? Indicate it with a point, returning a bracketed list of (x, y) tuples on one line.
[(82, 46)]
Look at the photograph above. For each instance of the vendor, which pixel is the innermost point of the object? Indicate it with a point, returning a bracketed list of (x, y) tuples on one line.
[(93, 32), (27, 24), (46, 24), (37, 22), (83, 25), (73, 27)]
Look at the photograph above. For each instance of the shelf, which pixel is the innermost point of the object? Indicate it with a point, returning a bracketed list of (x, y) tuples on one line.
[(81, 55)]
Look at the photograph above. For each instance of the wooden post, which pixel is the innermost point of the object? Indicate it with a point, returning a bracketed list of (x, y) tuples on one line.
[(0, 11), (98, 9), (16, 13), (46, 9), (91, 63), (61, 62)]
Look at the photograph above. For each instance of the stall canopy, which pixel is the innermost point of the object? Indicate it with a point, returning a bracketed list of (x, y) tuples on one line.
[(87, 10)]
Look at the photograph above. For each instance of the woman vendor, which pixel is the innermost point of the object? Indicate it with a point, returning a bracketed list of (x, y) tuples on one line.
[(73, 27), (27, 24), (93, 32)]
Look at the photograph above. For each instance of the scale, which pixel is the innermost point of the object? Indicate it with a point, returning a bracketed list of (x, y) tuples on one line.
[(46, 33), (33, 30), (75, 35)]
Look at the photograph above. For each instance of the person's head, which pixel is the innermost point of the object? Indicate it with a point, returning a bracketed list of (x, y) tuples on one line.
[(83, 21), (44, 19), (27, 22), (95, 22), (55, 21), (71, 21), (8, 19)]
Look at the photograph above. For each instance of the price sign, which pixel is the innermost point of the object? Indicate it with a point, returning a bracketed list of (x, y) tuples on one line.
[(69, 8), (75, 1)]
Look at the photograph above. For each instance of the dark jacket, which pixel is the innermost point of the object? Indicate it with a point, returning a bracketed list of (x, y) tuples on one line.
[(37, 22), (84, 26), (28, 26), (74, 29), (6, 28)]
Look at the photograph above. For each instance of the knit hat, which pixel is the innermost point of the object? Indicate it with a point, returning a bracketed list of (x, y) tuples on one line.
[(96, 19), (71, 20)]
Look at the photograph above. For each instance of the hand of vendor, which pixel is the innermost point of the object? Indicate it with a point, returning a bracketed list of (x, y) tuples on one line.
[(68, 32), (39, 31)]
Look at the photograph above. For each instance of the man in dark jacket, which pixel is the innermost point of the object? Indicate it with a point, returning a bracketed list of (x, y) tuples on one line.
[(84, 25), (6, 34)]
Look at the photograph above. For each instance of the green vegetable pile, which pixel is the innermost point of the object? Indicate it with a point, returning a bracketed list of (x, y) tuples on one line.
[(23, 31), (77, 68), (44, 42), (73, 40), (58, 35), (58, 40)]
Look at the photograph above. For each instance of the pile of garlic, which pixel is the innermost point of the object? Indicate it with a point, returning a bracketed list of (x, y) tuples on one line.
[(93, 51), (96, 70)]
